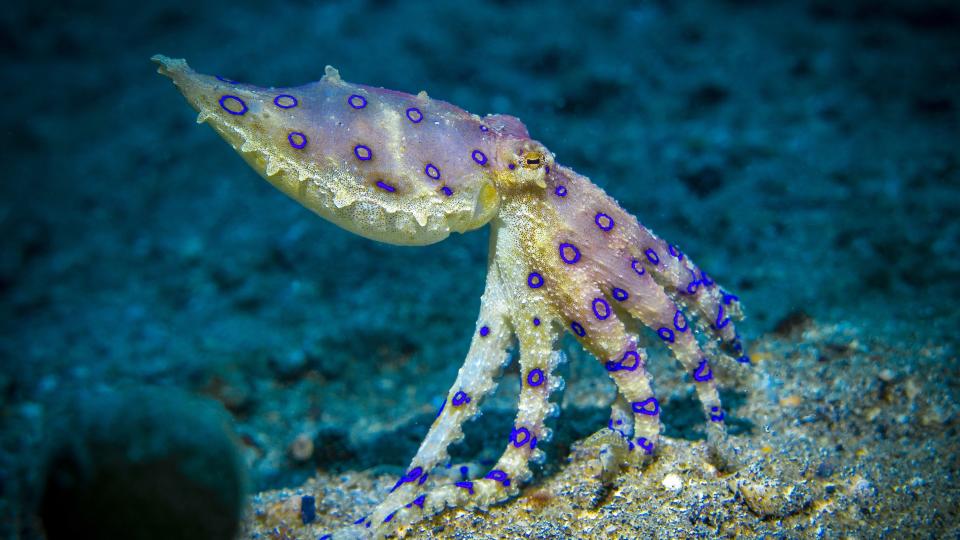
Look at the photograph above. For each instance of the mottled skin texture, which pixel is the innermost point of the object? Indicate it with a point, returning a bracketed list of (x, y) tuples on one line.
[(565, 257)]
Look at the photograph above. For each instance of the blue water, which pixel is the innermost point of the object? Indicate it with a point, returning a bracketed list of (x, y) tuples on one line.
[(805, 153)]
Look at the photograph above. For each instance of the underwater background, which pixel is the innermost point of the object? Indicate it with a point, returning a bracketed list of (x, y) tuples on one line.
[(175, 333)]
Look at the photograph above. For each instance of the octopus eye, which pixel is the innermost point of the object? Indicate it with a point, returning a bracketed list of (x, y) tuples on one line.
[(531, 159)]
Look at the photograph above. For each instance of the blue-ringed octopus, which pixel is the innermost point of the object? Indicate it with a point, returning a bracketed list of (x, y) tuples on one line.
[(564, 257)]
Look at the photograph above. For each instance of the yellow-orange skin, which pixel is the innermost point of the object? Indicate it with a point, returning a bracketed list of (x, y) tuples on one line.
[(617, 276)]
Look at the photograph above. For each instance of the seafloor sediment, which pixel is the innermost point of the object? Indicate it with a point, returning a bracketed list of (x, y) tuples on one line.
[(814, 462)]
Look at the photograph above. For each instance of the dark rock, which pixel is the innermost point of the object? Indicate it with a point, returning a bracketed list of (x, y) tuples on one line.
[(142, 464), (793, 323)]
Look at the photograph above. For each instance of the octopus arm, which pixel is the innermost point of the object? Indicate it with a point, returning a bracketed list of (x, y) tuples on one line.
[(476, 378), (507, 310), (621, 248), (603, 273), (538, 360), (691, 288)]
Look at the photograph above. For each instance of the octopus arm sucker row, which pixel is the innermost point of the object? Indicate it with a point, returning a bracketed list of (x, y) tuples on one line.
[(692, 288), (674, 328), (538, 362), (475, 379), (633, 382)]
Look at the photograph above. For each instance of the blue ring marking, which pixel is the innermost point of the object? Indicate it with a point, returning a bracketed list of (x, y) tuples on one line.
[(646, 445), (573, 258), (636, 361), (652, 256), (535, 377), (460, 398), (716, 415), (619, 294), (533, 443), (353, 101), (634, 264), (679, 317), (598, 305), (442, 405), (359, 521), (226, 80), (534, 280), (512, 166), (499, 476), (703, 373), (385, 186), (484, 330), (418, 501), (223, 105), (413, 474), (432, 171), (479, 157), (619, 365), (414, 115), (745, 359), (675, 251), (466, 485), (561, 191), (423, 479), (388, 518), (721, 320), (294, 102), (727, 297), (694, 284), (536, 321), (446, 191), (362, 152), (578, 329), (325, 537), (649, 406), (515, 436), (297, 140), (666, 334), (546, 169), (484, 128), (705, 279), (603, 221), (464, 472)]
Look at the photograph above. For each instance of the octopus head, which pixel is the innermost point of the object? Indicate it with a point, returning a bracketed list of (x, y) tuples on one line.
[(527, 163)]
